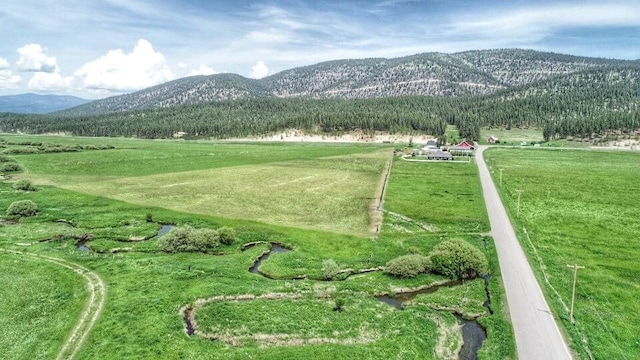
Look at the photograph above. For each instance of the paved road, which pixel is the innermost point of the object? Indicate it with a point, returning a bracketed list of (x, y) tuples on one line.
[(536, 331)]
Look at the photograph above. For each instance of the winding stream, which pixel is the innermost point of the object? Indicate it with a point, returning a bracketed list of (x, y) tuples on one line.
[(275, 248), (473, 335)]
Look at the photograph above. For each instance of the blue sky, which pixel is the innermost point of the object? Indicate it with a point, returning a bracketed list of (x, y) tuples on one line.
[(99, 48)]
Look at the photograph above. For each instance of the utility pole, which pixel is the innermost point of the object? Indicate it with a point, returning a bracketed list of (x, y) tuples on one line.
[(573, 293), (500, 177), (519, 193)]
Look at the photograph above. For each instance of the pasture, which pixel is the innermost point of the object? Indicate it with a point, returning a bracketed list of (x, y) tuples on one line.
[(581, 207), (301, 185), (512, 136), (95, 193), (41, 303)]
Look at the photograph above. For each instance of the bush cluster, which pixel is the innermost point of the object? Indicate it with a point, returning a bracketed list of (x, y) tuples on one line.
[(10, 167), (330, 269), (22, 208), (227, 235), (457, 259), (24, 185), (37, 148), (188, 239), (408, 266)]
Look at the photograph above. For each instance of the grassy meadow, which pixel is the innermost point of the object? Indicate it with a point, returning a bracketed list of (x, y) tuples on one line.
[(300, 185), (512, 136), (96, 193), (581, 207), (41, 303), (440, 196)]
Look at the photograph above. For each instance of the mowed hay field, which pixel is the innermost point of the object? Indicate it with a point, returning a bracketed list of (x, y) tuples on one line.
[(328, 187), (581, 207)]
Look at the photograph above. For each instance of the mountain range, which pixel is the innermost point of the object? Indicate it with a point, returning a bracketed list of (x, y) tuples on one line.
[(434, 74), (38, 104)]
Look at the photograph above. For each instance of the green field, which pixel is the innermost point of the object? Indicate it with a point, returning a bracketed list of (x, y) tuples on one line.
[(41, 303), (442, 197), (110, 194), (581, 207), (512, 136), (302, 185)]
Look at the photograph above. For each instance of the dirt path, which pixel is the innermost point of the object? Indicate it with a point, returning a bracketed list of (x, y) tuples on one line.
[(536, 332), (375, 209), (91, 312)]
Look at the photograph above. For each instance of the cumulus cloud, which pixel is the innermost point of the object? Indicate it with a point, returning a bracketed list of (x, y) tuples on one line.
[(259, 70), (33, 58), (118, 71), (49, 82), (203, 70), (8, 80)]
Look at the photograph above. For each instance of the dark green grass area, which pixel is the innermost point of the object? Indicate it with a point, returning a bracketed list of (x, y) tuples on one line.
[(446, 196), (41, 302), (581, 207), (144, 157)]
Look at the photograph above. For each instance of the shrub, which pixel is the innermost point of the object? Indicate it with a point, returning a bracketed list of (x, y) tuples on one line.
[(330, 269), (5, 159), (457, 259), (205, 239), (22, 208), (227, 235), (188, 239), (338, 304), (10, 167), (24, 185), (408, 266), (149, 217)]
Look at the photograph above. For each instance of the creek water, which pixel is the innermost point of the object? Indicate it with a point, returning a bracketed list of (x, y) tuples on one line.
[(275, 248), (164, 229), (473, 335)]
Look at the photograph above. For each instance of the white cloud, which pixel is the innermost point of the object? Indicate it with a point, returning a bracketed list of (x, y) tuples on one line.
[(534, 23), (203, 70), (259, 70), (33, 58), (4, 64), (8, 80), (118, 71), (49, 82)]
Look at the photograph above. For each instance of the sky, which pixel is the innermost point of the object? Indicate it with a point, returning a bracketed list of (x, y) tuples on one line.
[(100, 48)]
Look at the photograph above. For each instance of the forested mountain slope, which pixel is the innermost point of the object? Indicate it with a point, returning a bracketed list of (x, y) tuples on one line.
[(434, 74), (595, 100)]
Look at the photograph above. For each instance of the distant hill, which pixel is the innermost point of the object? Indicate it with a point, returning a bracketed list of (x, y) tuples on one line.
[(434, 74), (38, 104)]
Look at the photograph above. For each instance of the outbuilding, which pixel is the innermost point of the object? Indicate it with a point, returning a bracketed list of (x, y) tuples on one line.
[(440, 155)]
